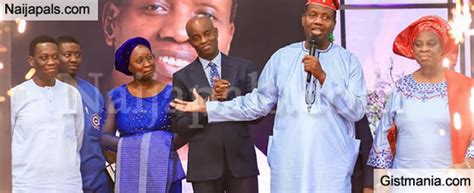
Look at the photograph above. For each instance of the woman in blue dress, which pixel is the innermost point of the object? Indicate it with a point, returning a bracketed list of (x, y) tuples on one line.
[(138, 110)]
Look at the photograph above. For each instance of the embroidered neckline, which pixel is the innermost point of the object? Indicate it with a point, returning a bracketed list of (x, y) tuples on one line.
[(410, 88), (317, 50)]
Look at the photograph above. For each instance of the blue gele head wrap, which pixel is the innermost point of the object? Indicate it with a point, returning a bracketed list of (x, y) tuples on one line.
[(123, 53)]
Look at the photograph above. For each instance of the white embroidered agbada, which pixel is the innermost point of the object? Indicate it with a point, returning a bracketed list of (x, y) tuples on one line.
[(47, 133), (308, 152)]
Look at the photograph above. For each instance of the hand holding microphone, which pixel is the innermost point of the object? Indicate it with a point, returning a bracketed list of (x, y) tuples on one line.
[(313, 68), (312, 65), (312, 52)]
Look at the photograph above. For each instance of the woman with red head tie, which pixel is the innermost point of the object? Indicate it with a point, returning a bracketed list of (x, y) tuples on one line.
[(427, 121)]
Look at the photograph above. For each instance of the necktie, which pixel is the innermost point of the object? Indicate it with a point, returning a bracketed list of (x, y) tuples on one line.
[(214, 73)]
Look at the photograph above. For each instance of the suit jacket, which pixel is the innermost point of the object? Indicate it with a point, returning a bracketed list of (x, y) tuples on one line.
[(363, 175), (213, 144)]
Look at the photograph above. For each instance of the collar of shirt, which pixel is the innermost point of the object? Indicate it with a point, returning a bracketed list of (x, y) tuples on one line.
[(44, 87), (317, 50), (217, 60)]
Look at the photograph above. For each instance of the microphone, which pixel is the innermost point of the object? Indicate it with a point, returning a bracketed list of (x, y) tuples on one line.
[(312, 52)]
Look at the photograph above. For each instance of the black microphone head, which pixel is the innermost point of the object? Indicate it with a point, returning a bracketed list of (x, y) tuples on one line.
[(312, 48)]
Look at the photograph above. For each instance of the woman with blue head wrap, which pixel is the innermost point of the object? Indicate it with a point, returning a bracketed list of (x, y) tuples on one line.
[(138, 110)]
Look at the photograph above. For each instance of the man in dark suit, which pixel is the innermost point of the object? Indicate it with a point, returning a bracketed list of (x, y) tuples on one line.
[(221, 156)]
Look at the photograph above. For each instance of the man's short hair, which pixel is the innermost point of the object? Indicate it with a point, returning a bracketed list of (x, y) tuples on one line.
[(67, 39), (38, 40), (233, 9)]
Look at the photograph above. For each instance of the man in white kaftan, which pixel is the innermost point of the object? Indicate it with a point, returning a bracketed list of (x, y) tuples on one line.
[(308, 152), (47, 127)]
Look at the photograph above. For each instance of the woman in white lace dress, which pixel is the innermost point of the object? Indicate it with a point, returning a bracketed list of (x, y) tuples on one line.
[(427, 116)]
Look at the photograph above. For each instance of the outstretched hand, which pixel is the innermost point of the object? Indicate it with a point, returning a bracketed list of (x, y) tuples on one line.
[(198, 105)]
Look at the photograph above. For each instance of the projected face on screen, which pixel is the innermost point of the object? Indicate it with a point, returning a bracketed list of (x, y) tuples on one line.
[(163, 22)]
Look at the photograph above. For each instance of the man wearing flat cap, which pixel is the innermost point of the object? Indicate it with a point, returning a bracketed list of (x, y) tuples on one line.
[(313, 147)]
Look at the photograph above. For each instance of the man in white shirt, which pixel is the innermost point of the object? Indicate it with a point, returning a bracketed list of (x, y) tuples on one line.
[(47, 126)]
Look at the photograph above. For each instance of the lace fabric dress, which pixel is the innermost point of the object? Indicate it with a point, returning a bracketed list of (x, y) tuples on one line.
[(421, 115), (136, 118)]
